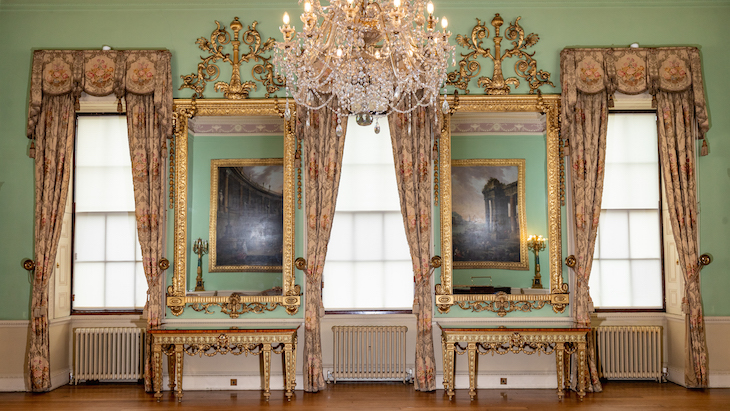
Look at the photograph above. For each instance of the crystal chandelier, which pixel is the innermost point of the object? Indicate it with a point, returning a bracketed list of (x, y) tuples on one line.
[(374, 56)]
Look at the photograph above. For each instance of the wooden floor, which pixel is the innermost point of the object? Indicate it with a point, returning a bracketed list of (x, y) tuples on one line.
[(633, 396)]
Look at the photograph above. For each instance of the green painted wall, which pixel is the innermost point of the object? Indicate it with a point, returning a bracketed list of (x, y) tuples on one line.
[(26, 25)]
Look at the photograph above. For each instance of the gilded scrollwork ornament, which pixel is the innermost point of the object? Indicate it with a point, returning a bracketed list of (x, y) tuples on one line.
[(525, 66), (501, 305), (209, 71)]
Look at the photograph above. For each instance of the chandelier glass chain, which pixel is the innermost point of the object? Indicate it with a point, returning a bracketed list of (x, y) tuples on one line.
[(374, 56)]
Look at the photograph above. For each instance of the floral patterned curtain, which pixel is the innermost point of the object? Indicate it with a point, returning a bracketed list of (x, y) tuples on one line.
[(675, 120), (411, 137), (322, 162), (588, 158), (58, 78), (673, 75), (54, 138)]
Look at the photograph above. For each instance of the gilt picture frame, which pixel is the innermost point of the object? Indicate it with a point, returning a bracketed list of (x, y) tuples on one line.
[(246, 215), (488, 214)]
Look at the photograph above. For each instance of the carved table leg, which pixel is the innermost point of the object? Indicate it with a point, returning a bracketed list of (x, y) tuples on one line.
[(472, 352), (267, 369), (170, 354), (179, 370), (582, 370), (560, 367), (157, 376), (449, 369), (289, 369)]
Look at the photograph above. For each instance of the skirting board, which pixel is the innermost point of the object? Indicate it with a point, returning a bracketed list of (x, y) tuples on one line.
[(253, 382), (11, 383), (715, 379), (492, 380), (223, 382)]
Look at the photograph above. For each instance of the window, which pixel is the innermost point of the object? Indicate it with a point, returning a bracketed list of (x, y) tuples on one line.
[(627, 261), (368, 264), (107, 263)]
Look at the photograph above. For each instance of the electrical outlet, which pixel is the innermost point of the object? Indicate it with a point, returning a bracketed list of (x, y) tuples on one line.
[(502, 381), (234, 382)]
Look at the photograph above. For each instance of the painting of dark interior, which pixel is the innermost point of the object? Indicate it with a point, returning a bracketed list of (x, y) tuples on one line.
[(249, 221)]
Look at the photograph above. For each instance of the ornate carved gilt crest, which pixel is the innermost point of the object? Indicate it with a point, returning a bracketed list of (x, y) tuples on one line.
[(525, 67), (209, 71)]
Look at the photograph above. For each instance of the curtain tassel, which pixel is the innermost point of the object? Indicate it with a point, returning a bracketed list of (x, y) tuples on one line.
[(119, 105), (566, 148), (653, 101), (77, 104), (31, 151), (704, 150)]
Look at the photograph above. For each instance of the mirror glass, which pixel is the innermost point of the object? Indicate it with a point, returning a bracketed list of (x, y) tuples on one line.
[(499, 198), (235, 196)]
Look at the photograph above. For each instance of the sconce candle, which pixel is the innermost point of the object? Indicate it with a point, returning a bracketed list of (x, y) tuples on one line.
[(536, 243), (200, 248)]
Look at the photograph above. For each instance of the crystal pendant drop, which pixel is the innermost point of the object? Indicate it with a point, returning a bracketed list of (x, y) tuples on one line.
[(377, 127), (287, 113), (445, 107), (338, 130)]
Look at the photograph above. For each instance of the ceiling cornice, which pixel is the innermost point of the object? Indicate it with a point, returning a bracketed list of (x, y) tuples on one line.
[(79, 5)]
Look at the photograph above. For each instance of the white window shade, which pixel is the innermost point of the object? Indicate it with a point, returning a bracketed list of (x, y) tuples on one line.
[(627, 269), (107, 268)]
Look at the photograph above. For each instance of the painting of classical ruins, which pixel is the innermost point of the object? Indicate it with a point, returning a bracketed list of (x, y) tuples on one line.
[(488, 213), (246, 215)]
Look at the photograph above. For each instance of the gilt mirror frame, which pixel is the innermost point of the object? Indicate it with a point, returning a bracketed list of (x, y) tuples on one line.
[(233, 305), (502, 303)]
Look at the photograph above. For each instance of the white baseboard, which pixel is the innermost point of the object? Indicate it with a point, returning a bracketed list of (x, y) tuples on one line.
[(492, 380), (218, 382), (716, 379), (16, 383), (12, 383), (719, 379)]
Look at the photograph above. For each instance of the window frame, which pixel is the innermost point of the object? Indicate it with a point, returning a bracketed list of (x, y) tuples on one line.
[(359, 311), (663, 309), (72, 193)]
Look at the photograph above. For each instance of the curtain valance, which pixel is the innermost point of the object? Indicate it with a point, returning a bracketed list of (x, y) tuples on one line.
[(633, 71), (100, 73)]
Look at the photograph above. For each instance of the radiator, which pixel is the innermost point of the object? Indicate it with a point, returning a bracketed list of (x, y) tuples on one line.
[(369, 353), (629, 352), (114, 354)]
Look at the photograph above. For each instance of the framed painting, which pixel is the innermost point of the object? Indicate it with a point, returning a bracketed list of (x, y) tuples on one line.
[(246, 215), (488, 214)]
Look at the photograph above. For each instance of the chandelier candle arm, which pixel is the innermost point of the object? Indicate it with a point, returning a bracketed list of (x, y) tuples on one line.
[(374, 56)]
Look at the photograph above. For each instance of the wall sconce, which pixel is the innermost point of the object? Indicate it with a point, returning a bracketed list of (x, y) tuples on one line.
[(200, 248), (536, 243)]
